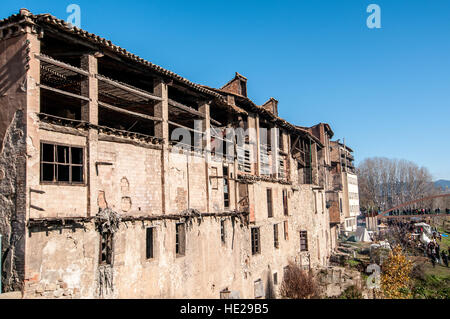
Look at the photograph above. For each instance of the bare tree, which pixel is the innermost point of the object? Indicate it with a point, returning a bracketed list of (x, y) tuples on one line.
[(299, 284), (385, 182)]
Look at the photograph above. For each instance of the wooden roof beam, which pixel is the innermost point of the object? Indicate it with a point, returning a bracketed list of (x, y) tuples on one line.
[(121, 110), (128, 88)]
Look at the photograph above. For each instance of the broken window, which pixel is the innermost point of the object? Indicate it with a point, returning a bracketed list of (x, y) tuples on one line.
[(285, 202), (222, 231), (275, 236), (226, 190), (106, 248), (303, 240), (149, 238), (180, 239), (256, 248), (269, 203), (286, 230), (61, 163)]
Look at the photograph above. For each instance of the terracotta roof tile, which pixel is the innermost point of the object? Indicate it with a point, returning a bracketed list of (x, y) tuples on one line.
[(104, 43), (107, 44)]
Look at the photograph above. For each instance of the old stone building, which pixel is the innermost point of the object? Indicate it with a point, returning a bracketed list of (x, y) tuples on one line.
[(345, 186), (120, 179)]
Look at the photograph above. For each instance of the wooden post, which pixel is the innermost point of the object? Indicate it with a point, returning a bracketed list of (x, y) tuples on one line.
[(204, 108), (162, 131), (89, 113)]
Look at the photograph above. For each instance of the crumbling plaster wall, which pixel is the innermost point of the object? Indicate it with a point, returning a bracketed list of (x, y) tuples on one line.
[(62, 264), (301, 217), (131, 185), (13, 203), (207, 267), (207, 262), (216, 193), (187, 182), (13, 96)]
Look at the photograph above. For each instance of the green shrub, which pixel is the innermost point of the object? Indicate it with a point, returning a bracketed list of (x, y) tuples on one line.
[(351, 292), (432, 287)]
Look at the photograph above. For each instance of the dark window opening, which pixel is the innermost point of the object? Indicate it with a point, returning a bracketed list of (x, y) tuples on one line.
[(222, 231), (269, 203), (180, 240), (275, 278), (303, 241), (51, 45), (286, 230), (61, 163), (256, 248), (60, 105), (285, 202), (149, 243), (109, 68), (106, 248), (226, 190), (125, 122), (276, 243)]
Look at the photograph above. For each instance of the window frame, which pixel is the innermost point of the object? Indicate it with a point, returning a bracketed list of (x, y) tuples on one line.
[(223, 235), (255, 236), (285, 202), (286, 230), (303, 240), (269, 202), (180, 243), (56, 164), (152, 245), (108, 237), (276, 241), (226, 184)]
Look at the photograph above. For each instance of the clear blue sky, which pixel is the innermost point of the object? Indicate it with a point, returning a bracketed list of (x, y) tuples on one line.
[(386, 91)]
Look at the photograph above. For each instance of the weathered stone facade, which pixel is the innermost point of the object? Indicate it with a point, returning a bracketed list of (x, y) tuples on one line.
[(191, 223)]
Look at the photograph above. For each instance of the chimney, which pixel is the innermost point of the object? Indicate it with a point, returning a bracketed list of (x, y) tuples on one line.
[(24, 12), (238, 85), (272, 106)]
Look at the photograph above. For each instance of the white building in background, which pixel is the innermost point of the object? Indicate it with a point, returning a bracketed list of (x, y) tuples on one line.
[(352, 197)]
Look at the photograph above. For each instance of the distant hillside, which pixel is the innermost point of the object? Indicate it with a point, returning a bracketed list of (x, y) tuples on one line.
[(442, 183)]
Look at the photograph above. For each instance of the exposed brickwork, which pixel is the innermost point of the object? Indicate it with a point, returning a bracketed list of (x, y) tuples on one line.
[(152, 184)]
